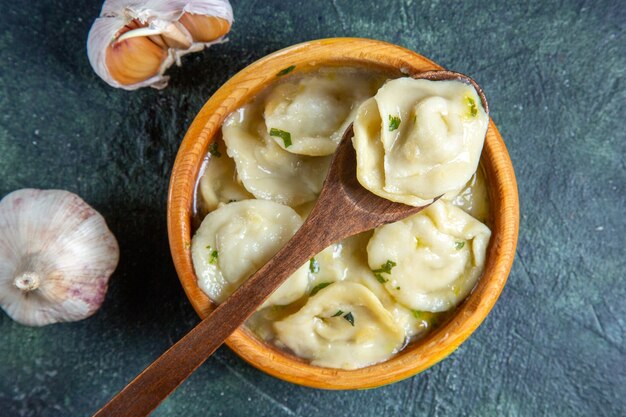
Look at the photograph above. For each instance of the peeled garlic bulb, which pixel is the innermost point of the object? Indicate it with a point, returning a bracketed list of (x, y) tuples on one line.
[(56, 257), (133, 43)]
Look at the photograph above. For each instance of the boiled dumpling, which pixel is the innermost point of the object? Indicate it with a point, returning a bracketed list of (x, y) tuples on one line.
[(347, 260), (418, 139), (309, 115), (267, 170), (235, 240), (430, 261), (343, 326), (219, 183)]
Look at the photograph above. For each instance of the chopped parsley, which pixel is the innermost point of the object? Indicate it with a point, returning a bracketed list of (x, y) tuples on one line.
[(337, 314), (459, 245), (285, 136), (213, 258), (380, 278), (214, 151), (350, 318), (319, 287), (385, 268), (286, 71), (417, 314), (471, 104), (314, 266), (394, 123), (398, 288)]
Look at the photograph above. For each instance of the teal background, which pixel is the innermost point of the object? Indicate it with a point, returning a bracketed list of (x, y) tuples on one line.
[(554, 345)]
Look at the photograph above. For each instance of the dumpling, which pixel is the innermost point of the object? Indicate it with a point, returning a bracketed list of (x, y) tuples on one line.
[(343, 326), (267, 170), (432, 260), (347, 261), (418, 139), (308, 116), (219, 183), (235, 240)]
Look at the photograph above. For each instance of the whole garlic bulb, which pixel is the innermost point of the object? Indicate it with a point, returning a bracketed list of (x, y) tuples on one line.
[(56, 257), (133, 42)]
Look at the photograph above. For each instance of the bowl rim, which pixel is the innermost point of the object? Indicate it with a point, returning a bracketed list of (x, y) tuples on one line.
[(186, 172)]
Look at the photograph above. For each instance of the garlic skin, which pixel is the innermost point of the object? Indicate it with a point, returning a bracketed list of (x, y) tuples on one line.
[(56, 257), (175, 27)]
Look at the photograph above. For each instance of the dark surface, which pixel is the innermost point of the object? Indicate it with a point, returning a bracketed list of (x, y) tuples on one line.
[(554, 76)]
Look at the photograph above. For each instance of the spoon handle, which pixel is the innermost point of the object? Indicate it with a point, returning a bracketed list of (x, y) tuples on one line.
[(143, 394)]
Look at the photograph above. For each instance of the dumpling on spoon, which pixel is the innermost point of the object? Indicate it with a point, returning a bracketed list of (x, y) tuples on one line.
[(417, 139)]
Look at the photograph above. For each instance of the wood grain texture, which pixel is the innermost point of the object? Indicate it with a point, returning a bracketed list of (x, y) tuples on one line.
[(416, 357)]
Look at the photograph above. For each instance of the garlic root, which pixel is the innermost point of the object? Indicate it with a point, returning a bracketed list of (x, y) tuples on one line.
[(27, 281)]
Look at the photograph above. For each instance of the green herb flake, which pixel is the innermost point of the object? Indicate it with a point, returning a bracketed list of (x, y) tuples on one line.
[(380, 278), (314, 266), (471, 104), (213, 258), (385, 268), (459, 245), (319, 287), (286, 71), (417, 314), (398, 288), (285, 136), (337, 314), (394, 123), (350, 318), (214, 151)]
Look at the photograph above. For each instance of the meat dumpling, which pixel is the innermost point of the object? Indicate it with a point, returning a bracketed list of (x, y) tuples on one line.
[(418, 139), (343, 326), (430, 261), (235, 240), (266, 170), (308, 116)]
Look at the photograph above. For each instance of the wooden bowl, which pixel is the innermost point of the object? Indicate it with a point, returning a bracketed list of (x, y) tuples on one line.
[(419, 355)]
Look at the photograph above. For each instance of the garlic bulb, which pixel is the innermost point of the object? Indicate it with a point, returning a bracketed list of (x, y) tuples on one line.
[(56, 256), (132, 43)]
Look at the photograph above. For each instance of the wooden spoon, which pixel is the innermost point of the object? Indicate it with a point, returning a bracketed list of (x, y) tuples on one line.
[(344, 208)]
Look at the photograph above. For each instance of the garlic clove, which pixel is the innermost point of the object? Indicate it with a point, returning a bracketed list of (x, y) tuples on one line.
[(204, 28), (101, 37), (56, 257), (133, 60), (155, 21)]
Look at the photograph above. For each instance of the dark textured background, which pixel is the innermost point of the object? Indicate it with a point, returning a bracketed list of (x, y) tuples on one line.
[(554, 74)]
